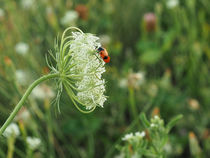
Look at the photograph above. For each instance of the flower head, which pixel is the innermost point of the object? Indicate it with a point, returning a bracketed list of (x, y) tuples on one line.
[(128, 137), (21, 48), (140, 134), (81, 69), (33, 142), (27, 4), (12, 130), (70, 17), (150, 21), (21, 77), (172, 3)]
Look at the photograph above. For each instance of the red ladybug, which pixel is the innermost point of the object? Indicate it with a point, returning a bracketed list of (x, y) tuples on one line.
[(104, 54)]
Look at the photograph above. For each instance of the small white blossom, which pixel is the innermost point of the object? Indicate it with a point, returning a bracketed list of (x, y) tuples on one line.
[(33, 142), (22, 48), (121, 155), (168, 148), (136, 79), (27, 4), (21, 77), (123, 83), (172, 3), (135, 155), (128, 137), (152, 125), (70, 17), (12, 130), (140, 134), (42, 92), (2, 13), (156, 117)]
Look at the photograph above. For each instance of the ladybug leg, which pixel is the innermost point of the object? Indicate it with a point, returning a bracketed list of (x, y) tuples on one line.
[(100, 60)]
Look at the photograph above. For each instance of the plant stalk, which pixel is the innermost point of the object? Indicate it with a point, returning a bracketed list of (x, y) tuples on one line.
[(23, 99)]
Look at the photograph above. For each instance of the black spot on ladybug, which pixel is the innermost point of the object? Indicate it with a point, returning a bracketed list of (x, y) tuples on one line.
[(106, 57), (100, 49)]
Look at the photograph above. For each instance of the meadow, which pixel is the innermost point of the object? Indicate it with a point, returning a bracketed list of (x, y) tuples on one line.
[(157, 83)]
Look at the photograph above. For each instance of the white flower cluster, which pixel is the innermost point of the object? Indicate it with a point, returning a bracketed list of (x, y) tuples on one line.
[(12, 130), (135, 136), (156, 122), (70, 17), (21, 48), (89, 68), (33, 142), (27, 4), (172, 3), (133, 80)]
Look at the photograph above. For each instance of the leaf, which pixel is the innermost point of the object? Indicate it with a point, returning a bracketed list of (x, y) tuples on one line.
[(173, 122), (144, 120)]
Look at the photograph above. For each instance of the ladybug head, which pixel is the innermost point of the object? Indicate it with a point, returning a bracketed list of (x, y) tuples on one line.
[(100, 49)]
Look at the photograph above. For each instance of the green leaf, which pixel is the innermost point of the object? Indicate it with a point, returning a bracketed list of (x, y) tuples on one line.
[(173, 122), (144, 120)]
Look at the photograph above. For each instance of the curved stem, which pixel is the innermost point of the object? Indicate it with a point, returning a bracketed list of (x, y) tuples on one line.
[(23, 99)]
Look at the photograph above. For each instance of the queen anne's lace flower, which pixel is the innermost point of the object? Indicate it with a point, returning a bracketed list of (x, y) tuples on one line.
[(81, 69)]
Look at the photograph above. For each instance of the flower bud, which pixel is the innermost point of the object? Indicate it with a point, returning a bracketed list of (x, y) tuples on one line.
[(150, 22)]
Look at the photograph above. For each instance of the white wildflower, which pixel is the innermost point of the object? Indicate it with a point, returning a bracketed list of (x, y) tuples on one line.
[(172, 3), (27, 4), (156, 117), (21, 77), (135, 156), (12, 130), (152, 125), (121, 155), (136, 79), (33, 142), (128, 137), (42, 92), (22, 48), (2, 13), (140, 134), (168, 148), (70, 17), (123, 83), (81, 68)]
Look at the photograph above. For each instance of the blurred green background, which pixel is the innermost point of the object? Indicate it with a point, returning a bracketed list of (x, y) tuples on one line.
[(160, 64)]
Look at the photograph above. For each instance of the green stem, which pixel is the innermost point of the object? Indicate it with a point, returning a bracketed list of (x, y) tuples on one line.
[(134, 110), (11, 142), (23, 99)]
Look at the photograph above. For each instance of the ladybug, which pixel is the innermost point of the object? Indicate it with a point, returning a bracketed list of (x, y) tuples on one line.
[(104, 54)]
